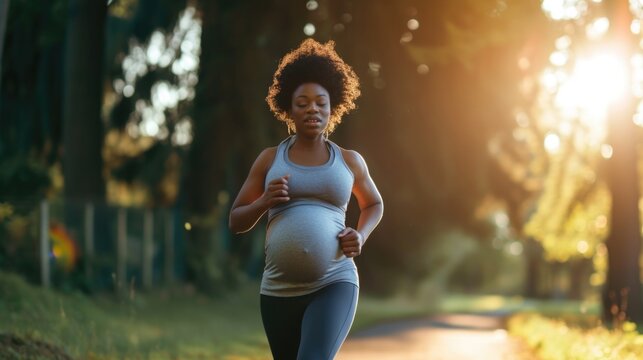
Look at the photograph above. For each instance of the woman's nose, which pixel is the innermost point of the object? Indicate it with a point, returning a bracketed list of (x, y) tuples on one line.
[(313, 108)]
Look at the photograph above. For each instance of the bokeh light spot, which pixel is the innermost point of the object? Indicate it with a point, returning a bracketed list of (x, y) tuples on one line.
[(607, 151), (406, 37), (312, 5), (597, 28), (413, 24), (564, 9), (309, 29), (423, 69), (552, 143)]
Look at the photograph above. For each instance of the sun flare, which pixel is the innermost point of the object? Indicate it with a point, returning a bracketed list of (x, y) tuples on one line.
[(594, 82)]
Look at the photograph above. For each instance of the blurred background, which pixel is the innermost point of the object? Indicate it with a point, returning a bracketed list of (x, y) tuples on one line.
[(504, 136)]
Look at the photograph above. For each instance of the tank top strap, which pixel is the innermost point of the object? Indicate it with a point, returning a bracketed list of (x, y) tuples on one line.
[(285, 144), (280, 154), (339, 157), (334, 148)]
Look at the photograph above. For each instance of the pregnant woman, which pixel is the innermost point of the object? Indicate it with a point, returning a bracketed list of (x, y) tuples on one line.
[(309, 288)]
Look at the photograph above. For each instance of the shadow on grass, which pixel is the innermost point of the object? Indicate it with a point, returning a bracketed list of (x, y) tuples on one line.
[(14, 347)]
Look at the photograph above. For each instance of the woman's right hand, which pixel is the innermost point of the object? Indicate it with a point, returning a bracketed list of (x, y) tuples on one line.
[(276, 192)]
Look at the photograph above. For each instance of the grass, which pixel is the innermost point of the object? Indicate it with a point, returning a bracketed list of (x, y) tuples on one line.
[(374, 310), (176, 324), (569, 339), (158, 325), (516, 304)]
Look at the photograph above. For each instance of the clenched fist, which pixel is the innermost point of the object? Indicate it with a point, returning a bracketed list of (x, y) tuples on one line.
[(350, 241)]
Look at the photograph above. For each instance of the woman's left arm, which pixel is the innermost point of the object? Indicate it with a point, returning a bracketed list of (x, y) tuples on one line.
[(370, 205)]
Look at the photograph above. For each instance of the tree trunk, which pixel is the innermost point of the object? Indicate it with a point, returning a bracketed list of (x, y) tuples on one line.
[(622, 294), (209, 150), (83, 128), (4, 16), (581, 270), (533, 264)]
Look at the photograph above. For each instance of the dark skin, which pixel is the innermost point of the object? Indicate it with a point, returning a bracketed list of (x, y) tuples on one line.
[(310, 114)]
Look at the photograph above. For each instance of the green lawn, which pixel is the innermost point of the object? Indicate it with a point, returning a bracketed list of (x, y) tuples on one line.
[(155, 325), (174, 324)]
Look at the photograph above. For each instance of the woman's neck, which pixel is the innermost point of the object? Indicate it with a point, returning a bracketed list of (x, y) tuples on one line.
[(310, 143)]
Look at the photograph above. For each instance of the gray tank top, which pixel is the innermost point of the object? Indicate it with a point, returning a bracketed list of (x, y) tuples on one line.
[(302, 248)]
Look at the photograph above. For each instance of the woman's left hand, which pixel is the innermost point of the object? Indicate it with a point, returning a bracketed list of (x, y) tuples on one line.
[(350, 241)]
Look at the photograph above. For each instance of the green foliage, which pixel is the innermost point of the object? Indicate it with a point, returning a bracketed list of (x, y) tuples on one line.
[(23, 178), (151, 160), (23, 183), (471, 29), (455, 303), (17, 252), (570, 220), (566, 340)]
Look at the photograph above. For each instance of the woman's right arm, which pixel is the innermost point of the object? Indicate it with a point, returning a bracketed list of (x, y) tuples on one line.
[(253, 200)]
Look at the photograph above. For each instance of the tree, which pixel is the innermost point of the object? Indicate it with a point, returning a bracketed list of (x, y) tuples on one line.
[(562, 127), (4, 15), (622, 299), (31, 68), (154, 59), (82, 103)]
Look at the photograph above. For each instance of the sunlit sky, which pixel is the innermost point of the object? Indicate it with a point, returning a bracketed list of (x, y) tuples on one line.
[(584, 78)]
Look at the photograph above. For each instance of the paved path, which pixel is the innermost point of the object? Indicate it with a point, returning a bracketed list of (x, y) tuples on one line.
[(446, 337)]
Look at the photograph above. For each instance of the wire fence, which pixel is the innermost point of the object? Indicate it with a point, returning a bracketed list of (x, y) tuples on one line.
[(91, 246)]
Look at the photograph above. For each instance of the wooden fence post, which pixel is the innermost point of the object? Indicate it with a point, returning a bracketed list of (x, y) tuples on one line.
[(89, 240), (121, 251), (148, 248), (45, 272), (169, 247)]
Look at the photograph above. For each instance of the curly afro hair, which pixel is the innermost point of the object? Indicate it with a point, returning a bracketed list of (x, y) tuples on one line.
[(313, 62)]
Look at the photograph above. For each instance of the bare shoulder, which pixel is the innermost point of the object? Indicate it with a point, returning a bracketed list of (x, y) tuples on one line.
[(265, 158), (268, 152), (354, 160)]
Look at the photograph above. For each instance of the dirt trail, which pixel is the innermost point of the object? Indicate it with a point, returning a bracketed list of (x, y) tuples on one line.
[(446, 337)]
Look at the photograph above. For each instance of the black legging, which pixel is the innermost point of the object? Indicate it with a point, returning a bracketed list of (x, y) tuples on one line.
[(312, 326)]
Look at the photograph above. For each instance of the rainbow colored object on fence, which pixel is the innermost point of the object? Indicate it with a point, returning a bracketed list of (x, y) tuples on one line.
[(64, 249)]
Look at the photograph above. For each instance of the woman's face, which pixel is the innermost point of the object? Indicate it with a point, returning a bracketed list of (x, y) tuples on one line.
[(310, 111)]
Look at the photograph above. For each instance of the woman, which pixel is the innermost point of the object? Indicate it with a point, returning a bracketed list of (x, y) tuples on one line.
[(309, 288)]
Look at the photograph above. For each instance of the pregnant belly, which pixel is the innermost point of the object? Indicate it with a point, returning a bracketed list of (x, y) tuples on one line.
[(301, 243)]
